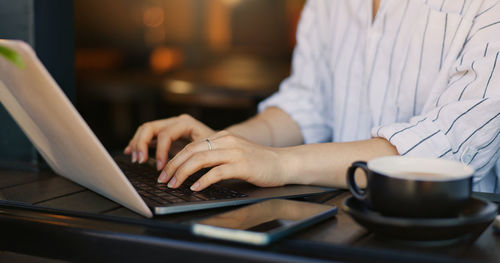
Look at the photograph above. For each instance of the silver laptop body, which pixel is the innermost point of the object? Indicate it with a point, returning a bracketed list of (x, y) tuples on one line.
[(69, 146)]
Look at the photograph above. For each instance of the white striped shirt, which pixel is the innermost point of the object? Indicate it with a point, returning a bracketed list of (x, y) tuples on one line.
[(423, 75)]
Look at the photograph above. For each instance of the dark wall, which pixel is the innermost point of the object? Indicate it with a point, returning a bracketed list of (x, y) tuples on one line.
[(54, 41), (47, 25)]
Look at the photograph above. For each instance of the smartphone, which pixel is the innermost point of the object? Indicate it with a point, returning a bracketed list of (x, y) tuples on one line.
[(496, 224), (264, 222)]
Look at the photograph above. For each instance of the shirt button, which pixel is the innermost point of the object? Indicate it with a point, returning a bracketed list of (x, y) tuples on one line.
[(467, 158), (467, 155)]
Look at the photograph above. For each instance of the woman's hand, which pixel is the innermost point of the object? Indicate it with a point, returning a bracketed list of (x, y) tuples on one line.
[(231, 157), (165, 131)]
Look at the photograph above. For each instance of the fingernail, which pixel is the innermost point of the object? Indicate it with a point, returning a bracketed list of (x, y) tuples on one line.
[(134, 157), (172, 182), (195, 186), (158, 165), (163, 177), (141, 157)]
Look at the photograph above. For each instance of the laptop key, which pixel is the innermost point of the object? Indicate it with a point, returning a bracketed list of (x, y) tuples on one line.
[(174, 199), (161, 186), (192, 198), (201, 196), (152, 202), (143, 178)]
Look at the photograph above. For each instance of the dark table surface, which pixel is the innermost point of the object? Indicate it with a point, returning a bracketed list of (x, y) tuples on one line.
[(43, 215)]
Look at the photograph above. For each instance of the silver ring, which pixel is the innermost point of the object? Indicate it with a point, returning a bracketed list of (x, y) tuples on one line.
[(209, 144)]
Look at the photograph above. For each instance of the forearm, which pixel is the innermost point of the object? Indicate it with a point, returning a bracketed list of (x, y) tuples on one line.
[(326, 164), (273, 127), (312, 164)]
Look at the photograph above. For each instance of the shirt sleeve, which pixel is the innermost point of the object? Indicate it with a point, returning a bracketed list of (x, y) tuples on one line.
[(299, 95), (464, 122)]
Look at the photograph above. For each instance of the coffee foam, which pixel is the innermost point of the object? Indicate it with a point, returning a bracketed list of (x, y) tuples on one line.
[(412, 167)]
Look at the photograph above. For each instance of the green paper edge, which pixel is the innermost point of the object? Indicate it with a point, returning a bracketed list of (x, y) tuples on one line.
[(12, 56)]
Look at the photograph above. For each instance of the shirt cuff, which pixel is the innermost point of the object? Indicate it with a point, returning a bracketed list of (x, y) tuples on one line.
[(421, 138)]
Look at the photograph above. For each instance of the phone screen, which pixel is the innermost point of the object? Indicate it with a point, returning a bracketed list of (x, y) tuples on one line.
[(267, 216)]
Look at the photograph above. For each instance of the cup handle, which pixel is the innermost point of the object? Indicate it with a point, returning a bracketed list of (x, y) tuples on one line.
[(351, 183)]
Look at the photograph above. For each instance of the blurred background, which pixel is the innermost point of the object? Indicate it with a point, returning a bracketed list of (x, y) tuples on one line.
[(137, 61)]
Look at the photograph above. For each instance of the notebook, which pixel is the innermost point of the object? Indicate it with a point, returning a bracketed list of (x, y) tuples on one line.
[(69, 146)]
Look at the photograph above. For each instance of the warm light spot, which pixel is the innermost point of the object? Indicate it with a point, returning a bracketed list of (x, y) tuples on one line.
[(217, 26), (163, 59), (179, 87), (153, 16), (232, 3)]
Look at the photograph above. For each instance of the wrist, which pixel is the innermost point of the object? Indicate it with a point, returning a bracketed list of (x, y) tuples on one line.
[(291, 166)]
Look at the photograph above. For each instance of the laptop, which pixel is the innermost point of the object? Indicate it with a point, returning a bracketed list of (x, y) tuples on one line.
[(69, 146)]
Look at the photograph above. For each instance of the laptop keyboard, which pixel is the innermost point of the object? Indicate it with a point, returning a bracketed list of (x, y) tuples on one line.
[(144, 178)]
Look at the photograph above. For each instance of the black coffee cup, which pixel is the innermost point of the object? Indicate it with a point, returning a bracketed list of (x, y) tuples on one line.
[(413, 187)]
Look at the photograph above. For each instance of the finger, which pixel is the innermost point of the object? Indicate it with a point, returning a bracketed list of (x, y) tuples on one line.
[(130, 147), (197, 130), (133, 142), (176, 127), (216, 174), (198, 161), (173, 132), (162, 146), (144, 135), (127, 150), (224, 141), (183, 155)]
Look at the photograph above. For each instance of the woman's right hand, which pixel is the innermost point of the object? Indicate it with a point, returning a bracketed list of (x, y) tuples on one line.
[(165, 131)]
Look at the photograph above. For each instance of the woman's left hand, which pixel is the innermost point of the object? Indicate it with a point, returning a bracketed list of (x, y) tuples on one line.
[(231, 157)]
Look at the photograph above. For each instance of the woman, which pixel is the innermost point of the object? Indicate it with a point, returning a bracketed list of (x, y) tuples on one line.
[(413, 77)]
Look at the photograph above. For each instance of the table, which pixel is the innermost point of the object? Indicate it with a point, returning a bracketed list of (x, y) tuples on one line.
[(43, 215)]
